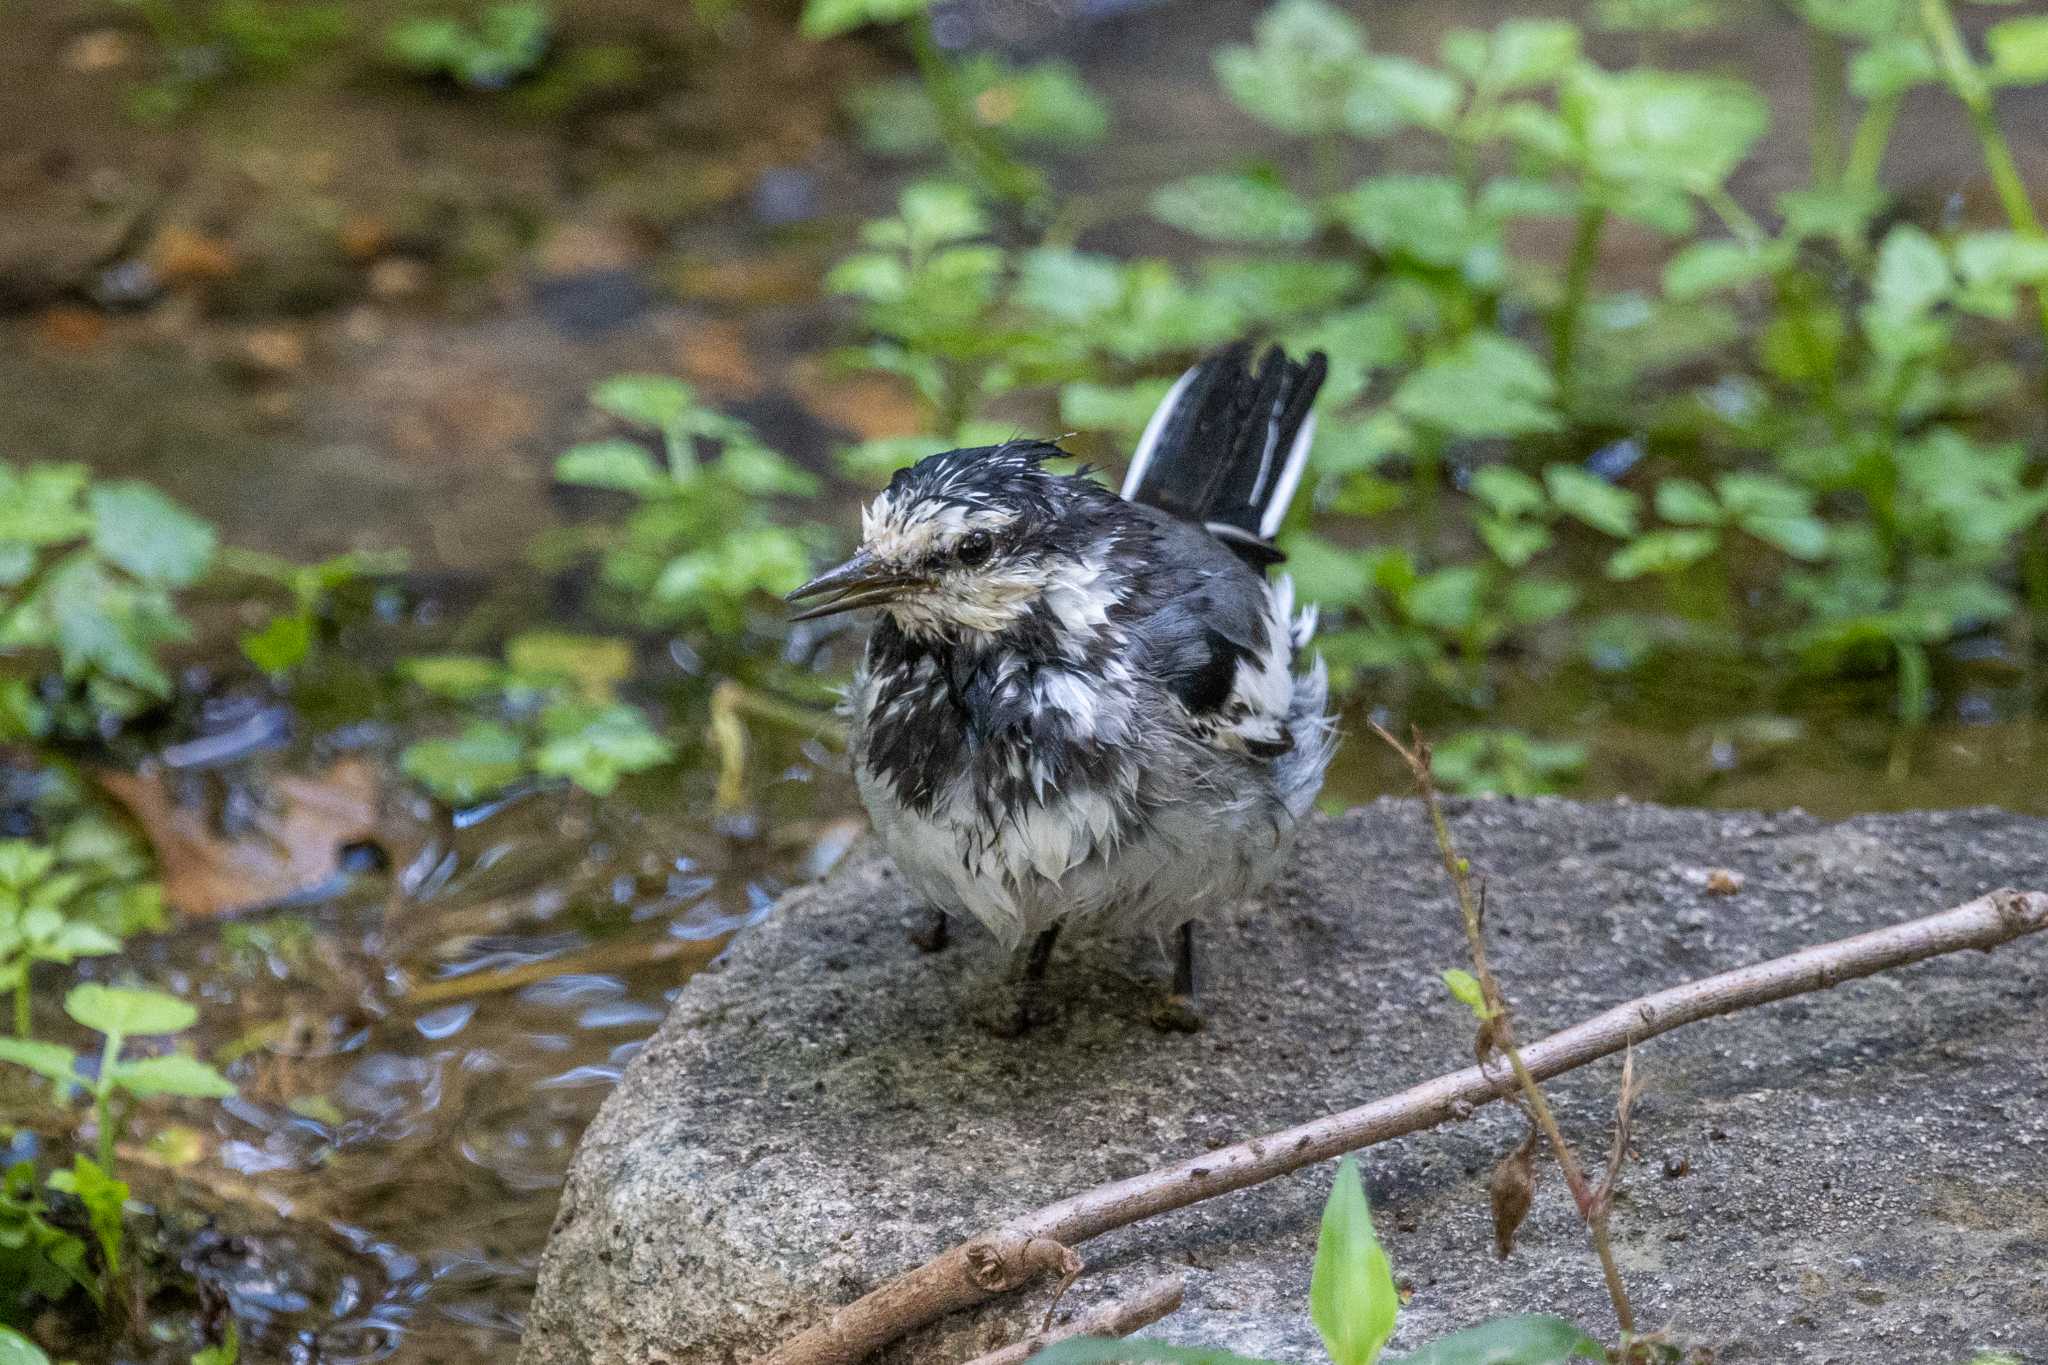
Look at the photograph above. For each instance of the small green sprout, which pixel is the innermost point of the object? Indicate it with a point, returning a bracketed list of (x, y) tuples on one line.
[(119, 1014), (1354, 1304), (38, 900)]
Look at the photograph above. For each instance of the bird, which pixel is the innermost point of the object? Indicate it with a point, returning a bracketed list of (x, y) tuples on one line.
[(1078, 704)]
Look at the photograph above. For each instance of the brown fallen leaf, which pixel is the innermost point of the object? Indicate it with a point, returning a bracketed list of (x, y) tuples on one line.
[(292, 846)]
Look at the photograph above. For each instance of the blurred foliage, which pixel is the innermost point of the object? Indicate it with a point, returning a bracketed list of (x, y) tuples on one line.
[(489, 52), (203, 45), (550, 709), (87, 576), (700, 544), (1800, 448)]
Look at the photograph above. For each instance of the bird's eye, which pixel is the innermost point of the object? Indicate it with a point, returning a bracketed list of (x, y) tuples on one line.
[(975, 548)]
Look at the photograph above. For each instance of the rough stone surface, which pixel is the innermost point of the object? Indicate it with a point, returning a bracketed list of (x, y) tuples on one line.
[(1855, 1176)]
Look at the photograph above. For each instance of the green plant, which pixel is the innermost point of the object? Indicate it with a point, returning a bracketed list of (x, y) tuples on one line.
[(503, 43), (698, 547), (1843, 494), (1354, 1304), (36, 925), (287, 638), (88, 573), (118, 1014), (976, 109), (1506, 762), (550, 709), (204, 45)]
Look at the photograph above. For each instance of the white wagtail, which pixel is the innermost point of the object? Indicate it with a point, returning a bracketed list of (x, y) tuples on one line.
[(1079, 705)]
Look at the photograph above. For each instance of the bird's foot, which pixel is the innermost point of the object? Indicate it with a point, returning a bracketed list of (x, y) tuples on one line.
[(1177, 1013), (934, 934), (1013, 1013)]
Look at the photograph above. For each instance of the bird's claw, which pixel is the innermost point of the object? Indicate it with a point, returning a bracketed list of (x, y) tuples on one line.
[(1177, 1014)]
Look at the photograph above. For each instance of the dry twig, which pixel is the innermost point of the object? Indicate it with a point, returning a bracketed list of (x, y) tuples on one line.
[(1117, 1319), (1497, 1033), (1038, 1243)]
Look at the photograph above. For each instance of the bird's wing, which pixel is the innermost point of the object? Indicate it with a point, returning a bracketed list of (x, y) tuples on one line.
[(1217, 639)]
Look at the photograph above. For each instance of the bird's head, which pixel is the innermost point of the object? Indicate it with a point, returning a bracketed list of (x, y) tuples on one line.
[(965, 541)]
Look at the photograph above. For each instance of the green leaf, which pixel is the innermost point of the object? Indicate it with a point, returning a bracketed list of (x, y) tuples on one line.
[(1504, 762), (829, 18), (482, 761), (41, 506), (105, 1200), (937, 212), (1514, 543), (2019, 50), (23, 864), (1592, 499), (1087, 406), (1394, 92), (2002, 258), (1508, 491), (1235, 208), (229, 1352), (129, 1013), (175, 1074), (1271, 289), (1485, 385), (648, 400), (759, 472), (1526, 53), (1852, 18), (282, 644), (1351, 1294), (1662, 552), (1892, 65), (1073, 286), (1307, 59), (1531, 1340), (1706, 267), (1464, 987), (48, 1060), (1656, 128), (1531, 600), (1687, 503), (1450, 598), (458, 677), (1844, 214), (1046, 102), (594, 664), (147, 534), (1326, 572), (16, 1349), (626, 466), (1912, 273), (594, 746), (1425, 217)]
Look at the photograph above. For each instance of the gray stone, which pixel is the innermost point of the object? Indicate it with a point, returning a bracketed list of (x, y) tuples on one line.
[(1860, 1175)]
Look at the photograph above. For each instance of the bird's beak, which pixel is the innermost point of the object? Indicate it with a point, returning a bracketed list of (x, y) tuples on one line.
[(862, 581)]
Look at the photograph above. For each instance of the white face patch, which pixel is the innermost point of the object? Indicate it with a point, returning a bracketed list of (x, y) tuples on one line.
[(922, 538)]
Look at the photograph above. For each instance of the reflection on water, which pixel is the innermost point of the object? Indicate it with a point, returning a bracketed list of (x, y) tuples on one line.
[(387, 1177)]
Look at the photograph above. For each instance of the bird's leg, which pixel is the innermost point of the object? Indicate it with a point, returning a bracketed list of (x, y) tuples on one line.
[(1022, 1007), (1178, 1012), (1041, 956), (934, 934)]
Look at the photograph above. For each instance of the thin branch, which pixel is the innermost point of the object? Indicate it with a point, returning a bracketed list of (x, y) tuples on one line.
[(1014, 1253), (1498, 1031), (1117, 1319)]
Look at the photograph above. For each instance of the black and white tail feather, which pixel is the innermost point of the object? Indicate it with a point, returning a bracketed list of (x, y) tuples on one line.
[(1228, 444)]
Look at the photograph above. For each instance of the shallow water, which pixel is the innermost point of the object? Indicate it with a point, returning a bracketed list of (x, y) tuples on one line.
[(428, 1043)]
